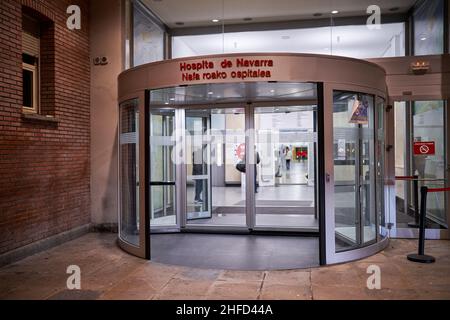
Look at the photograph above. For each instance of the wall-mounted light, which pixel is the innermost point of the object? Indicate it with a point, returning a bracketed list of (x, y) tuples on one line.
[(420, 67)]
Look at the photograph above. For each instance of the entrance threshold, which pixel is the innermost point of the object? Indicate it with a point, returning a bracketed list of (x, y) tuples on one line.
[(235, 252)]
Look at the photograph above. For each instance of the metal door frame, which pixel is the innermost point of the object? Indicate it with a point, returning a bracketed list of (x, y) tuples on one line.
[(250, 210)]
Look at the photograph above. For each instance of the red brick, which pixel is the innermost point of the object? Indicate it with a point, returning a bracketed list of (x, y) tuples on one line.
[(44, 168)]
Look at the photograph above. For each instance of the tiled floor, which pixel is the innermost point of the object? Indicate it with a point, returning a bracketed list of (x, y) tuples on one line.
[(109, 273)]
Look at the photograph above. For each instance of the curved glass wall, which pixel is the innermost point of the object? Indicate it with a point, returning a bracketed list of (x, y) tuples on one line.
[(129, 172), (191, 195), (249, 157), (354, 170)]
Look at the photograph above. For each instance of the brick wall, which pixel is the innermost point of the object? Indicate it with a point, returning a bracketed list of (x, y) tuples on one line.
[(44, 165)]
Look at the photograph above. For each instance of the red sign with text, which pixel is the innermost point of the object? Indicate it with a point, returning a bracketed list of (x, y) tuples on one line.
[(424, 148), (229, 68)]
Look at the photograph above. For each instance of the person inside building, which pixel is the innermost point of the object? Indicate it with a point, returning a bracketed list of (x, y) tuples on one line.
[(288, 158), (197, 170)]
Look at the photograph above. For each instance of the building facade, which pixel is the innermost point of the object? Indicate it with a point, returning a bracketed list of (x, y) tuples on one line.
[(59, 112), (45, 135)]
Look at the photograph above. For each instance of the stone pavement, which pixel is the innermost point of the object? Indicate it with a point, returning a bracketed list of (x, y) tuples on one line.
[(109, 273)]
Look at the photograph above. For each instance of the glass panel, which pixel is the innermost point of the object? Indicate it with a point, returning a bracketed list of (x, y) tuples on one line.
[(354, 162), (285, 174), (129, 172), (162, 168), (345, 172), (197, 165), (215, 145), (401, 142), (368, 181), (28, 86), (380, 158), (428, 125), (148, 37), (429, 27), (355, 41), (233, 92)]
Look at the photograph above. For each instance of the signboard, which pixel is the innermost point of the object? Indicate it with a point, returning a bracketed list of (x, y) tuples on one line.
[(424, 148), (359, 112), (228, 68)]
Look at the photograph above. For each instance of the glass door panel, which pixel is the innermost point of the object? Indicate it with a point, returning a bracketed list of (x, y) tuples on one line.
[(198, 204), (428, 126), (162, 168), (285, 173), (129, 172), (367, 172), (215, 188), (404, 212)]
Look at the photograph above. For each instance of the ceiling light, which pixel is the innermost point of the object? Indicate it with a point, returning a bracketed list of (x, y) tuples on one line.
[(317, 14), (210, 92), (272, 91), (166, 103), (394, 9), (334, 12), (179, 23), (215, 20), (423, 38), (285, 37), (172, 99), (247, 19)]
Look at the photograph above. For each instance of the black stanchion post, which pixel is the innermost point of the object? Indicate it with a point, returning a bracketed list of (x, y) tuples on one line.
[(421, 256), (415, 224)]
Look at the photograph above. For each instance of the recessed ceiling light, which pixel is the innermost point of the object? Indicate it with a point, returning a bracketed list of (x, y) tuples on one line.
[(272, 91), (166, 103), (172, 99), (179, 23), (210, 92), (285, 37), (394, 9), (318, 14), (423, 38), (247, 19), (215, 20), (334, 12)]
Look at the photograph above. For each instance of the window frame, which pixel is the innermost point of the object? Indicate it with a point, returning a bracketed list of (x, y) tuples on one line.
[(34, 69)]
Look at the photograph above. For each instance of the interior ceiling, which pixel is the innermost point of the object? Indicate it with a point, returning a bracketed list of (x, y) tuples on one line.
[(195, 13)]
